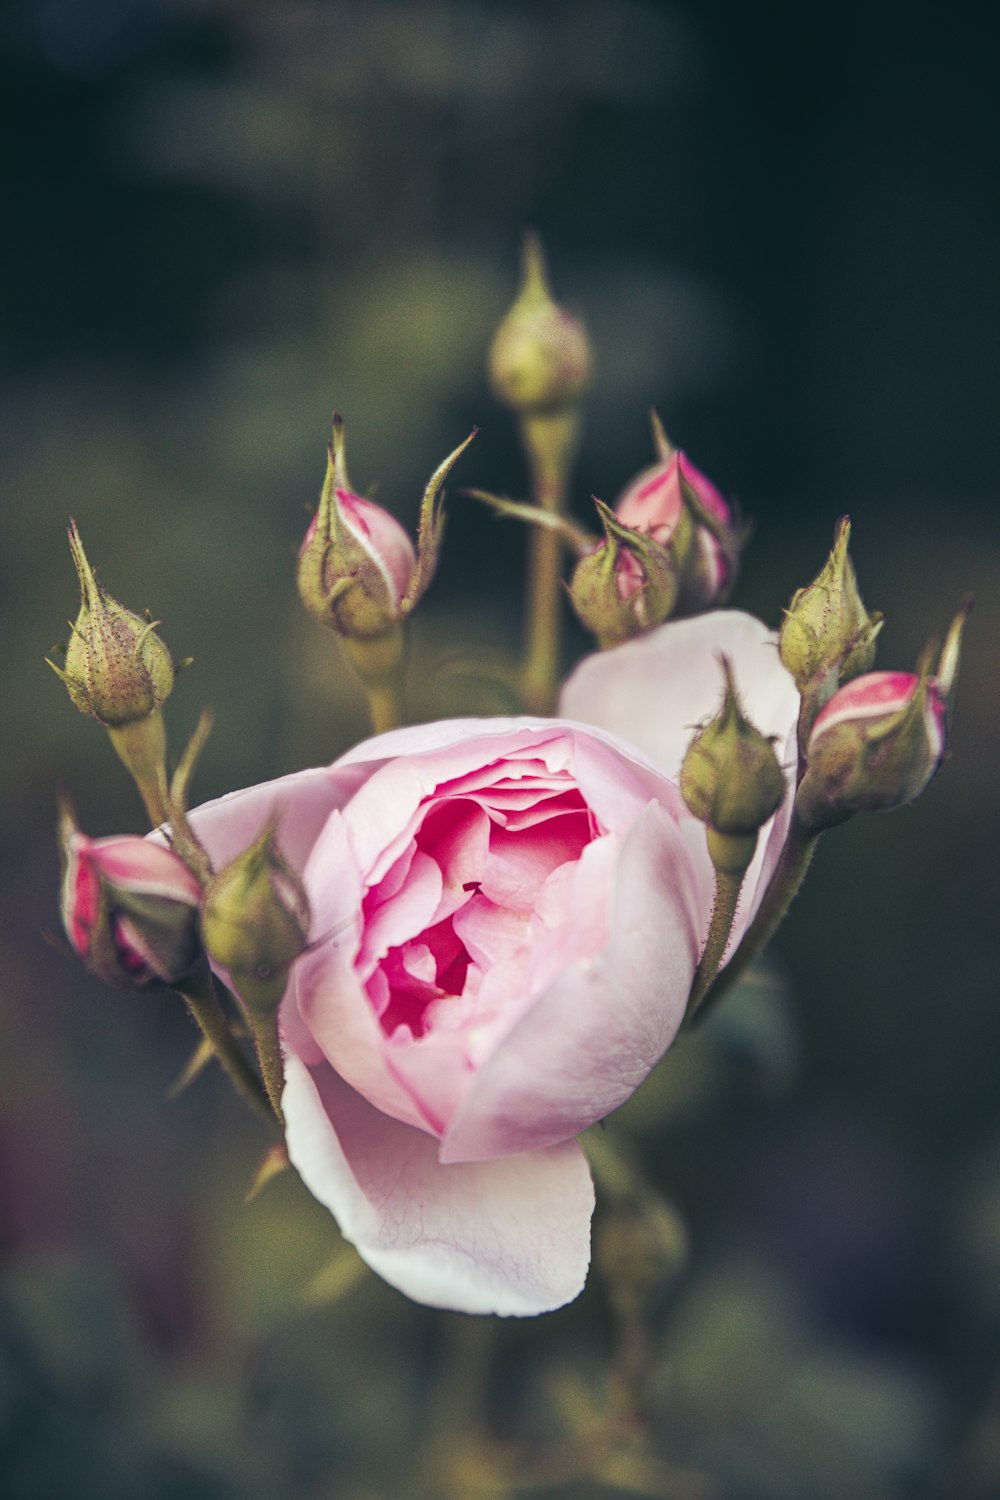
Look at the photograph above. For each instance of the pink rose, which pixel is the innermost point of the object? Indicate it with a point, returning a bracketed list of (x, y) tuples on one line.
[(507, 916)]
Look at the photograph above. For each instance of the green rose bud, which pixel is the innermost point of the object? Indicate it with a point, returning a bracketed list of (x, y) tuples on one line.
[(732, 782), (828, 636), (255, 922), (540, 356), (117, 668)]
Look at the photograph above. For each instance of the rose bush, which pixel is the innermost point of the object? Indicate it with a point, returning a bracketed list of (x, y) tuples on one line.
[(507, 916)]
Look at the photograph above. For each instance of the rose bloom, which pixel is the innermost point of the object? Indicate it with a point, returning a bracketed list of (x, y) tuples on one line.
[(507, 916)]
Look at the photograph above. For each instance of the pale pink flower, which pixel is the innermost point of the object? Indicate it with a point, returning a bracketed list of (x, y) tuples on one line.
[(507, 916)]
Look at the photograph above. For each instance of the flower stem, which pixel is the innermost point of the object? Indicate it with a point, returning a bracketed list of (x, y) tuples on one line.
[(549, 440), (384, 705), (142, 748), (198, 990), (378, 661), (727, 896), (785, 882)]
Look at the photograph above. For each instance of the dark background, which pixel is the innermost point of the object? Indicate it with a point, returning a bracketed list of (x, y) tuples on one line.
[(222, 218)]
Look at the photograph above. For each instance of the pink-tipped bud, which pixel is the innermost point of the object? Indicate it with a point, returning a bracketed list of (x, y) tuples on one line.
[(129, 907), (358, 571), (623, 585), (356, 562), (874, 746), (879, 740), (679, 508)]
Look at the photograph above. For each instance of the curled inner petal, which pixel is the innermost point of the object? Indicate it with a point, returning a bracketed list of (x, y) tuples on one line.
[(458, 901)]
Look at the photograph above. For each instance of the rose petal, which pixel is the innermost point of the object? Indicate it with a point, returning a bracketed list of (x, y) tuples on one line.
[(383, 537), (326, 992), (656, 689), (404, 915), (519, 863), (508, 1237), (141, 867), (302, 802), (589, 1040)]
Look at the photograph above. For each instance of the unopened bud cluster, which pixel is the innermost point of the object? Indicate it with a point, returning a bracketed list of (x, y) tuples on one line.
[(137, 915), (154, 912), (880, 739), (868, 741)]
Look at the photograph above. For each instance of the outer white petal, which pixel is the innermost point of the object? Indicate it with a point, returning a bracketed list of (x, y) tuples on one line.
[(302, 802), (656, 689), (509, 1236)]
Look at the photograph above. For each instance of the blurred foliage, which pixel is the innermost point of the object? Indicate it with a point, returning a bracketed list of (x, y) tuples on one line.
[(223, 218)]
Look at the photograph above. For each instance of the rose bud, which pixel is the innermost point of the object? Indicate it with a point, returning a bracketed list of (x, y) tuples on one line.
[(879, 741), (732, 782), (358, 572), (540, 355), (828, 636), (117, 668), (679, 508), (255, 922), (129, 907), (625, 585)]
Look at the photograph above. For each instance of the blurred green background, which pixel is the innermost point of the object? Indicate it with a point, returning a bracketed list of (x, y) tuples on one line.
[(224, 217)]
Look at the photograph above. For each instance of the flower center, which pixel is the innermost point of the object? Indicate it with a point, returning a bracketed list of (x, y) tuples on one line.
[(451, 926)]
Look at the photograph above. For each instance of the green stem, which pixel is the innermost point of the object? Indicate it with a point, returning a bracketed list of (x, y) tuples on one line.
[(549, 440), (384, 705), (142, 748), (198, 990), (378, 661), (727, 895), (795, 858)]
